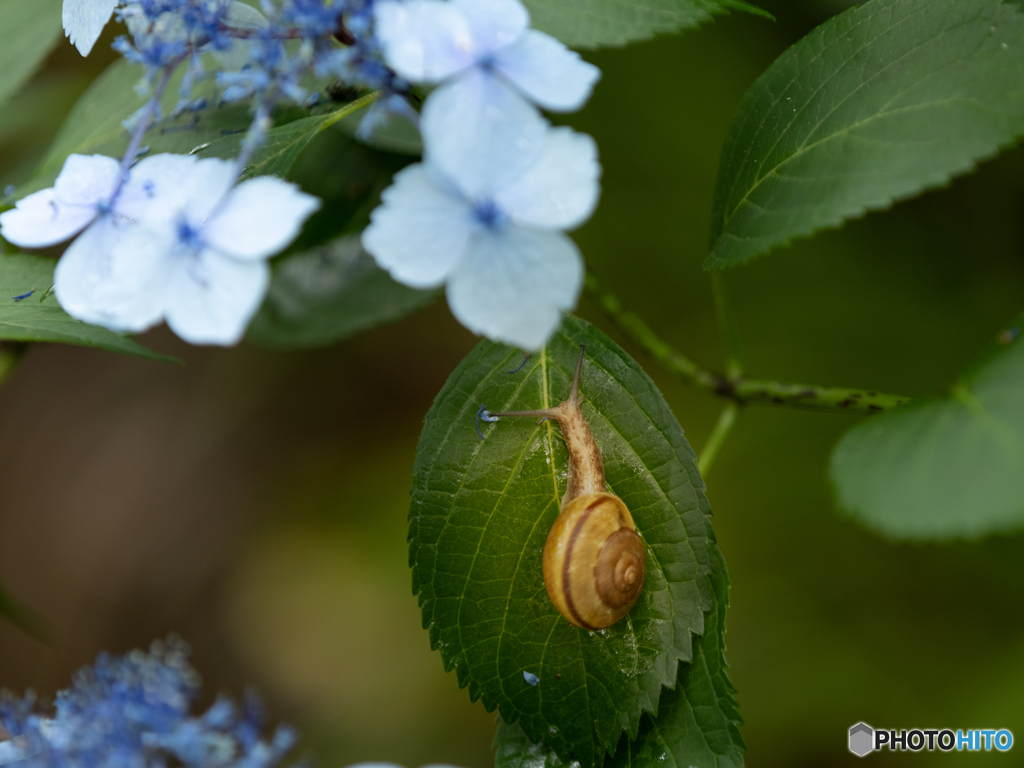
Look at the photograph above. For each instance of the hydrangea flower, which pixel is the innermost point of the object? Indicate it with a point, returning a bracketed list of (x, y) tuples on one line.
[(186, 248), (487, 41), (81, 193), (135, 711), (488, 221)]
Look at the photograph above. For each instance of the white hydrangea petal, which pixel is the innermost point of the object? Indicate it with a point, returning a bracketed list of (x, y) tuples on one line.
[(114, 275), (240, 16), (420, 230), (424, 41), (561, 189), (212, 297), (157, 188), (163, 189), (480, 133), (84, 21), (494, 24), (514, 283), (38, 221), (86, 179), (548, 73), (259, 218)]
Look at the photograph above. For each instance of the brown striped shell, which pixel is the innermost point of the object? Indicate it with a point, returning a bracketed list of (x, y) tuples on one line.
[(594, 561)]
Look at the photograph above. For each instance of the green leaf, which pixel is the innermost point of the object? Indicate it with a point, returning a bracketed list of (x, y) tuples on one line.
[(876, 105), (283, 144), (30, 31), (94, 124), (38, 317), (328, 293), (94, 127), (697, 723), (943, 469), (480, 515), (595, 23)]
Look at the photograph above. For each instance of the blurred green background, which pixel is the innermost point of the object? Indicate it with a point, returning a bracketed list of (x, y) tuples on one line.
[(255, 502)]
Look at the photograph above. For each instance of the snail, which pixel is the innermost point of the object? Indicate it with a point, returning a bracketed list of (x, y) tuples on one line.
[(594, 560)]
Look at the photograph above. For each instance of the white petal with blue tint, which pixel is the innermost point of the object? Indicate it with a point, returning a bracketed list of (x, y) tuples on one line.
[(51, 216), (84, 21), (514, 283), (494, 24), (259, 218), (86, 179), (156, 190), (424, 41), (420, 231), (114, 275), (38, 221), (561, 189), (480, 133), (210, 298), (550, 75)]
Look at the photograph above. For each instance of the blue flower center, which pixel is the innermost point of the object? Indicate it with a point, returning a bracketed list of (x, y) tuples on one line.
[(189, 235), (489, 214)]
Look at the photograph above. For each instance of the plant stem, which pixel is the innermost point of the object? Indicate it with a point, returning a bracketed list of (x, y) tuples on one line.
[(730, 330), (143, 126), (722, 428), (741, 390)]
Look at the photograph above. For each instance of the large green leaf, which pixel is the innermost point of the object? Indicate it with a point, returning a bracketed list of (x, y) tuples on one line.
[(29, 319), (328, 293), (947, 468), (594, 23), (30, 31), (697, 723), (480, 515), (876, 105)]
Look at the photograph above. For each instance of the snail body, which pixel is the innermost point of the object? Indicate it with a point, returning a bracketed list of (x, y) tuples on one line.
[(594, 560)]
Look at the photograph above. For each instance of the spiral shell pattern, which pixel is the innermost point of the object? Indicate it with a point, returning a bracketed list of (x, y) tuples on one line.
[(594, 561)]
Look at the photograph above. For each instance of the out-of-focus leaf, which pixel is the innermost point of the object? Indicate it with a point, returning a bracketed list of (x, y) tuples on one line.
[(95, 127), (20, 616), (30, 31), (326, 294), (596, 23), (283, 144), (480, 515), (24, 280), (697, 723), (876, 105), (943, 469)]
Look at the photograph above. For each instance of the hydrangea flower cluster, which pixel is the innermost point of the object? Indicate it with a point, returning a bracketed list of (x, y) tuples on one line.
[(176, 239), (135, 711), (486, 212)]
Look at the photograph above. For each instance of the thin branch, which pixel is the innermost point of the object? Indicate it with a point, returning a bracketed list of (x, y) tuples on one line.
[(722, 428), (740, 390)]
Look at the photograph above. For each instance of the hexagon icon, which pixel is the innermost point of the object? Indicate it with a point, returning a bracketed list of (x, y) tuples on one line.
[(862, 739)]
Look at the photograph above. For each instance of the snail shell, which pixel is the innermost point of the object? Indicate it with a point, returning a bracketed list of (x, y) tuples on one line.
[(594, 561)]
